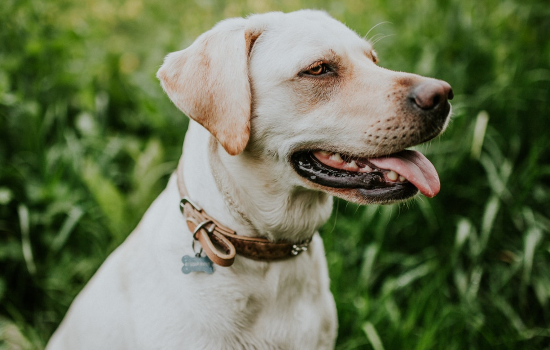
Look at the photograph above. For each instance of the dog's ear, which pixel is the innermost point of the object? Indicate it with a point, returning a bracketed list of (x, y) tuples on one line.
[(209, 82)]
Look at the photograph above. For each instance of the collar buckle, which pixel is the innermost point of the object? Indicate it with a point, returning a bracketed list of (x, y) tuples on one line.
[(186, 200)]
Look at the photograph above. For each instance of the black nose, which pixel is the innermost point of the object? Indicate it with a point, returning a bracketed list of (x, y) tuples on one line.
[(432, 94)]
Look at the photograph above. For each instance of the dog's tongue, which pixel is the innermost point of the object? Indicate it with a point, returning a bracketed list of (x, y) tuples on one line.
[(415, 167)]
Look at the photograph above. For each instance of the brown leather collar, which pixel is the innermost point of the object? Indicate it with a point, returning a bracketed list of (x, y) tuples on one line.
[(211, 235)]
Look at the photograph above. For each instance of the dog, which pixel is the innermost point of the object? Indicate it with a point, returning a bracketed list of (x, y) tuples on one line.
[(287, 111)]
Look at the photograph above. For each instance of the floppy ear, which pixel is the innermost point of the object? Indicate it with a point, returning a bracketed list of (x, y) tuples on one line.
[(208, 81)]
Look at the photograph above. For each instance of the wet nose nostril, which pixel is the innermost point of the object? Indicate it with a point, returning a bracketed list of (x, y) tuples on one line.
[(432, 94)]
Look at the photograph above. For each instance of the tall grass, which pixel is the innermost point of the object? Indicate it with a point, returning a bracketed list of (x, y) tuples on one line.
[(87, 140)]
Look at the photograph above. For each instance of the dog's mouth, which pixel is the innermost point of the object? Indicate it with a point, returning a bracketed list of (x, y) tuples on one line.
[(375, 180)]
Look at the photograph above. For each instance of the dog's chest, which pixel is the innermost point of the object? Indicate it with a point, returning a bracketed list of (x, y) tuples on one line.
[(275, 311), (287, 305), (251, 305)]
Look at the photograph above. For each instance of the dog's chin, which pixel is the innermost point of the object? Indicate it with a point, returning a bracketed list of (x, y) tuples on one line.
[(362, 183)]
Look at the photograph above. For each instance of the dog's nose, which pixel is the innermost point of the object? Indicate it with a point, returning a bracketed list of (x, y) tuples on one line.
[(432, 94)]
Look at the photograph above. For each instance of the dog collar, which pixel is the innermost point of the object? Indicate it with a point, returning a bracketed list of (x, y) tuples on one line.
[(211, 235)]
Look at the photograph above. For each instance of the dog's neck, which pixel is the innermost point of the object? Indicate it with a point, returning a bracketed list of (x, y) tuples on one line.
[(252, 196)]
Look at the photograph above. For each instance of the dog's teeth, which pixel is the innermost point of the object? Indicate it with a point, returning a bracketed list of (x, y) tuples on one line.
[(392, 175), (352, 166), (336, 157), (325, 153), (402, 178), (364, 168)]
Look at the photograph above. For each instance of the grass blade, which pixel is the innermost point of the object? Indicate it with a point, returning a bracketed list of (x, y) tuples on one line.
[(532, 239), (372, 335), (74, 216), (23, 212), (479, 134)]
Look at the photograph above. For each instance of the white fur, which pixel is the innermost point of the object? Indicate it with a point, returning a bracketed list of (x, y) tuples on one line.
[(140, 299)]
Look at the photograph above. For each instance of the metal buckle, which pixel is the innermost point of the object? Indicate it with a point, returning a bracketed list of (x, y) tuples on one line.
[(201, 226), (299, 248), (197, 229), (186, 200)]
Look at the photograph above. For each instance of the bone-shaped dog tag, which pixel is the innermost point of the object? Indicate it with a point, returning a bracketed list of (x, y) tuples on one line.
[(197, 264)]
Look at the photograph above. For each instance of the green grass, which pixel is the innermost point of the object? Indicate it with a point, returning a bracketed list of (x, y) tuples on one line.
[(88, 139)]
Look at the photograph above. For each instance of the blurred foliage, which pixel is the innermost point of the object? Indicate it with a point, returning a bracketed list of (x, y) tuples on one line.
[(87, 140)]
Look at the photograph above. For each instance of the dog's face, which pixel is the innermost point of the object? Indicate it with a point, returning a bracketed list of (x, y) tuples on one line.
[(304, 91)]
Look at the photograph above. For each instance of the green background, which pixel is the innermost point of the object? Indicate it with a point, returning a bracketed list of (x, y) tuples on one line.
[(88, 139)]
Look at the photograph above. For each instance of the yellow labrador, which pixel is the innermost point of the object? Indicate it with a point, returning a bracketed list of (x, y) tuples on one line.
[(287, 110)]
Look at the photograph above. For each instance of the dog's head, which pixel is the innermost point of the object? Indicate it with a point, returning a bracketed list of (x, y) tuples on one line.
[(304, 90)]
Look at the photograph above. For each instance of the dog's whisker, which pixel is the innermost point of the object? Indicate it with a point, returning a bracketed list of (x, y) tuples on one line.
[(383, 37), (376, 25), (375, 36)]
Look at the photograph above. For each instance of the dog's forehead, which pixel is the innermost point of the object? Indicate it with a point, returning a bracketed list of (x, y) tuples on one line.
[(299, 38)]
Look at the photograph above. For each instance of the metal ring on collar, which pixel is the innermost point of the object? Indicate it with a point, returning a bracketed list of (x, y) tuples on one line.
[(194, 251), (201, 226)]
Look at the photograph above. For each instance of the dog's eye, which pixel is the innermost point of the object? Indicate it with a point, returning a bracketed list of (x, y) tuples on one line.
[(318, 69)]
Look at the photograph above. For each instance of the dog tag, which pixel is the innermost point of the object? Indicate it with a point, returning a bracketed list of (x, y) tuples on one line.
[(197, 264)]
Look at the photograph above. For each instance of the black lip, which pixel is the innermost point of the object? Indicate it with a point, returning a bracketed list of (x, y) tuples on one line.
[(371, 186)]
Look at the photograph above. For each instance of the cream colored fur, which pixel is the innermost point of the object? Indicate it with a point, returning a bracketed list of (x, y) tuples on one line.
[(239, 84)]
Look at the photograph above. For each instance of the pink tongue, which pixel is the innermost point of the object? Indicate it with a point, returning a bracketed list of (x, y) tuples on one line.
[(415, 167)]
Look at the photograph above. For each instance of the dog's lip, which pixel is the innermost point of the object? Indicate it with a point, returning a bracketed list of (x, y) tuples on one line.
[(397, 168), (361, 187)]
